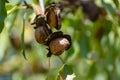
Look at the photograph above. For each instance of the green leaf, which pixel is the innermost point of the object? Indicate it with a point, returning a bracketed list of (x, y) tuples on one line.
[(69, 52), (84, 44), (109, 8), (116, 2), (3, 14), (108, 25), (64, 71), (8, 7), (12, 10), (22, 37)]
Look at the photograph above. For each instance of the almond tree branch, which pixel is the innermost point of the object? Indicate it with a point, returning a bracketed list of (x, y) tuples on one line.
[(36, 8), (41, 3)]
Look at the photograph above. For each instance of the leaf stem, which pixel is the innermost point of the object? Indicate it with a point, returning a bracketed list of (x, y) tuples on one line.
[(49, 67), (49, 63)]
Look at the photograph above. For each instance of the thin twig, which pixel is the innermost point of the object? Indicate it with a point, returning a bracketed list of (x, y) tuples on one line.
[(41, 3), (49, 67), (37, 9), (49, 63)]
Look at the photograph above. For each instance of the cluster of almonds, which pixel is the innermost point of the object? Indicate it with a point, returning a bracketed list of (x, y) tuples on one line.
[(57, 42)]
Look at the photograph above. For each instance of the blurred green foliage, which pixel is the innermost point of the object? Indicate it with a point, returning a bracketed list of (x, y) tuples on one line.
[(3, 14), (95, 50)]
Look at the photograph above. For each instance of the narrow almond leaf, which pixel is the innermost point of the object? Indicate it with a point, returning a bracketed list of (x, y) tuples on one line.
[(3, 14), (22, 38)]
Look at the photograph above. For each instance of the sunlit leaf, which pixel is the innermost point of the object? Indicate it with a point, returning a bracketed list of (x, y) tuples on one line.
[(8, 7), (70, 77), (12, 10), (3, 14), (64, 71)]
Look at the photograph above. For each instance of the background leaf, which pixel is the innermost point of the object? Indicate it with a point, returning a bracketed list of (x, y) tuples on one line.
[(116, 2), (3, 14), (84, 44)]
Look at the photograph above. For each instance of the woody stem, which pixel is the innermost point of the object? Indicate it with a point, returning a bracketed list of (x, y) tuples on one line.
[(41, 3)]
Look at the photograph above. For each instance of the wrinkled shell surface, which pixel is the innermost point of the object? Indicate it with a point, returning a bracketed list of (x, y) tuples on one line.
[(59, 45), (40, 35), (52, 13)]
